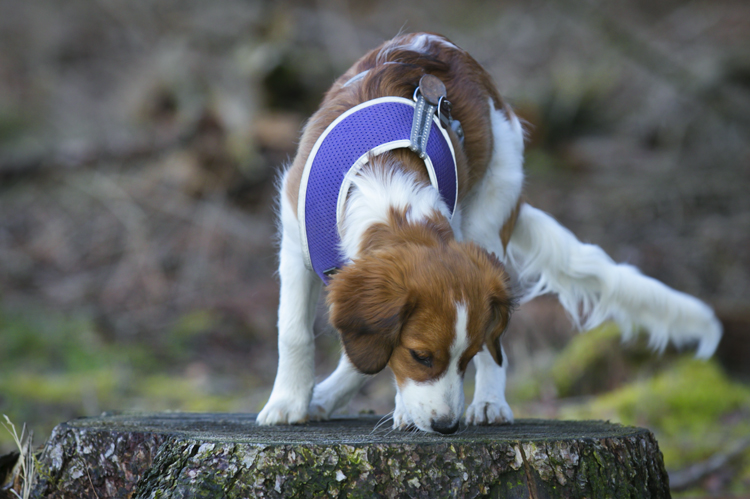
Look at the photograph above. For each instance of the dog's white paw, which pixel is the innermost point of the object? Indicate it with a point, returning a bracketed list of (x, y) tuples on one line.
[(317, 412), (487, 412), (282, 412)]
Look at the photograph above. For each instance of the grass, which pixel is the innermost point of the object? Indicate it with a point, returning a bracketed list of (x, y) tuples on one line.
[(26, 457)]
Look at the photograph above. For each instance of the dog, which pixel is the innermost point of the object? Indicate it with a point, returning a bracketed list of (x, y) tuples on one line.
[(420, 240)]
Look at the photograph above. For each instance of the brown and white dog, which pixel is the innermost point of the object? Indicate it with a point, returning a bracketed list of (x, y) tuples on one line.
[(425, 293)]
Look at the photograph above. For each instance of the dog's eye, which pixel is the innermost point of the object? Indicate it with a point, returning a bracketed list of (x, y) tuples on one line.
[(423, 358)]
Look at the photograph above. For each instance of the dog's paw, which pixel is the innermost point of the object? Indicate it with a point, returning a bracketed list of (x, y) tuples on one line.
[(317, 412), (486, 412), (282, 412)]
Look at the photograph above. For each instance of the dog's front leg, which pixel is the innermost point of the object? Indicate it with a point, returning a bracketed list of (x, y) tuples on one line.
[(489, 405), (336, 390), (300, 288)]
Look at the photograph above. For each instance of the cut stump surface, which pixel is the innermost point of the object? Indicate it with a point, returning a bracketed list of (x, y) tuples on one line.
[(228, 455)]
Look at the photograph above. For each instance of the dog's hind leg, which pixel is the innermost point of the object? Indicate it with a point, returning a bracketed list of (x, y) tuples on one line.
[(336, 390), (492, 200), (592, 288), (300, 288)]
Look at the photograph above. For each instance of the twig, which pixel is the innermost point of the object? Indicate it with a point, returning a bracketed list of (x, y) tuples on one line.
[(86, 469), (692, 475)]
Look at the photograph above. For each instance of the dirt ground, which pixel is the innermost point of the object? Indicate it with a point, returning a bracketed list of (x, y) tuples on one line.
[(140, 143)]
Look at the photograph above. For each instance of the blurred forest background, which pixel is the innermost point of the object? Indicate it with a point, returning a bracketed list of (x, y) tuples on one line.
[(140, 143)]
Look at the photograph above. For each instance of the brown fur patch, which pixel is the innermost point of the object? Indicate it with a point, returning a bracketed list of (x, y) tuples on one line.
[(507, 229), (469, 88), (417, 272)]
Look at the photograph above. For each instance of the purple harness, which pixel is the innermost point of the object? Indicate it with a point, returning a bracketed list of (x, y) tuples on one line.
[(373, 127)]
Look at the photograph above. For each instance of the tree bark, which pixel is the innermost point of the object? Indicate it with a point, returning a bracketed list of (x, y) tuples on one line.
[(226, 455)]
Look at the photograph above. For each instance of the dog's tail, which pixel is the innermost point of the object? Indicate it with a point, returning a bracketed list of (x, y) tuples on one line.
[(593, 288)]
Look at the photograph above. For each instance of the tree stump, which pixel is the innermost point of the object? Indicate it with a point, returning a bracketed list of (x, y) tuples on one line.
[(228, 455)]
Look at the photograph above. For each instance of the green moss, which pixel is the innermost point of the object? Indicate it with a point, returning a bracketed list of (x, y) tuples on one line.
[(685, 405), (188, 327), (689, 396), (582, 351), (523, 390), (56, 366), (355, 455), (170, 392), (59, 388), (593, 361), (13, 124), (692, 407), (36, 341)]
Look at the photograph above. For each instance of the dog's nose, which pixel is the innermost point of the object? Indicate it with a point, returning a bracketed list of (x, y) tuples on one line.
[(446, 426)]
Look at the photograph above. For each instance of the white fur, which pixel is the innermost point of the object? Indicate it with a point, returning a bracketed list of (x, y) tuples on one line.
[(401, 418), (487, 208), (546, 258), (374, 192), (493, 199), (442, 398), (592, 288), (336, 390), (418, 43), (421, 42), (489, 405), (298, 298)]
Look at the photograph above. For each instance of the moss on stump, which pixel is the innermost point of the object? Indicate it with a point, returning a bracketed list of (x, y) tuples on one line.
[(177, 455)]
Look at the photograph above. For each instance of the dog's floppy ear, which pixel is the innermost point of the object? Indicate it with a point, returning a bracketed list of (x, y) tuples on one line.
[(499, 304), (500, 309), (368, 307)]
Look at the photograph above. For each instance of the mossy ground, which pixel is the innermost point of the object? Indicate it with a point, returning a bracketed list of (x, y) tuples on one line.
[(694, 409)]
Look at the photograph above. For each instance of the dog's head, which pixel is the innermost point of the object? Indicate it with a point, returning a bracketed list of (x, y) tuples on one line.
[(425, 311)]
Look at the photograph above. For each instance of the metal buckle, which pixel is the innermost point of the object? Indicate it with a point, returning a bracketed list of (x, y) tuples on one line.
[(430, 97), (444, 113)]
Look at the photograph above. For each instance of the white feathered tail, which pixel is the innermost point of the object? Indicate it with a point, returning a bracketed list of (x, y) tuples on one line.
[(593, 288)]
